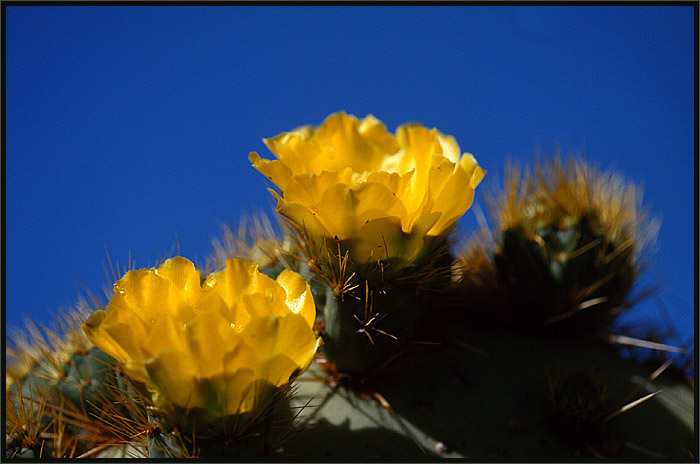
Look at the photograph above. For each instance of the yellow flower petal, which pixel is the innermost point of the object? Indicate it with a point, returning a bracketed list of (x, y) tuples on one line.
[(119, 322), (336, 211), (373, 201), (379, 239), (300, 300), (256, 394), (137, 371), (279, 369), (174, 373), (165, 334), (478, 174), (290, 147), (453, 201), (148, 294), (391, 180), (218, 346), (439, 175), (238, 278), (420, 144), (384, 239), (343, 146), (181, 273), (373, 129), (273, 335), (239, 355), (276, 171), (212, 301), (457, 195), (330, 193), (450, 148), (303, 219), (121, 350), (240, 394), (209, 338), (259, 305), (309, 188)]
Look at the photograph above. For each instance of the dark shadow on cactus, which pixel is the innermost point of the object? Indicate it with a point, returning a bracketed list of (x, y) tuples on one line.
[(338, 422), (324, 439), (495, 405)]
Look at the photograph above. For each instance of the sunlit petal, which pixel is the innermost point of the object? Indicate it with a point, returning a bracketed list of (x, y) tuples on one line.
[(217, 346), (349, 178)]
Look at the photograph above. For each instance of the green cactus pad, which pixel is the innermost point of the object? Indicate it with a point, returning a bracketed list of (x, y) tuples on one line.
[(565, 275), (359, 335), (89, 381), (30, 394), (488, 398)]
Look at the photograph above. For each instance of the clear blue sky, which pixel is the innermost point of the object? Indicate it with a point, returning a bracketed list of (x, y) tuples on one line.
[(130, 126)]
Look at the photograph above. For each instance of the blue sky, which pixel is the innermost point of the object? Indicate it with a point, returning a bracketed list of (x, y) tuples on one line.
[(129, 127)]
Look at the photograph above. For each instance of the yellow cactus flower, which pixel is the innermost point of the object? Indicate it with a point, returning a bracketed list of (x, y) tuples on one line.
[(212, 345), (382, 195)]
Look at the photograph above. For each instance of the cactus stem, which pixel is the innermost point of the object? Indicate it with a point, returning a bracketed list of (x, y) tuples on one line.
[(365, 323)]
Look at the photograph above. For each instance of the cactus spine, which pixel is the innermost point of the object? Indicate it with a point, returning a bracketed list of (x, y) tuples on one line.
[(178, 433), (370, 310), (568, 246), (63, 395)]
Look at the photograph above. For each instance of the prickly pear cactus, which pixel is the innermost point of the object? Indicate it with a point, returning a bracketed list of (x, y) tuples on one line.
[(557, 269), (498, 396), (568, 244), (408, 369)]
